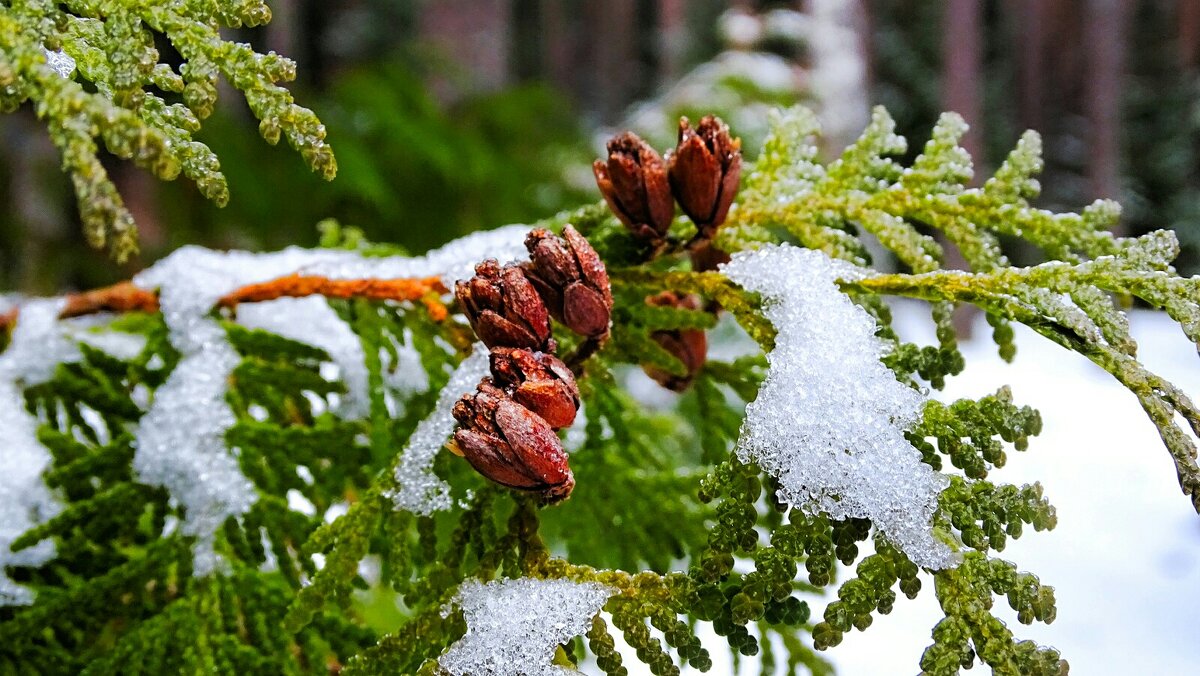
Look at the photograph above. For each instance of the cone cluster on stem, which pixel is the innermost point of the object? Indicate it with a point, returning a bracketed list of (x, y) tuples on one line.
[(641, 187), (701, 173), (507, 426)]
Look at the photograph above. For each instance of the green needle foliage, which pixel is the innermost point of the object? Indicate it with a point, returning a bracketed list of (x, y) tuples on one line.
[(141, 109), (663, 512)]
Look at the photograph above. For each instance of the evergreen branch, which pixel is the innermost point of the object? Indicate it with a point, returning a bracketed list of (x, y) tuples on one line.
[(111, 48), (1042, 298)]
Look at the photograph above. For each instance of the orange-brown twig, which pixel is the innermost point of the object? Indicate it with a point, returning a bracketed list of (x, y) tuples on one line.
[(121, 297), (125, 297), (425, 290)]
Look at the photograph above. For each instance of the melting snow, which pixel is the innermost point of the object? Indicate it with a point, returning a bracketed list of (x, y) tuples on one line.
[(514, 626), (829, 420)]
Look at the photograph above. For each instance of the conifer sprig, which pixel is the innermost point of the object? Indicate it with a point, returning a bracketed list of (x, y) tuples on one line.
[(665, 512), (110, 46)]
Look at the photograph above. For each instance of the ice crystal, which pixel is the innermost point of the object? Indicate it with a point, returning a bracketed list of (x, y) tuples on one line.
[(37, 346), (514, 626), (829, 420), (60, 61), (418, 489)]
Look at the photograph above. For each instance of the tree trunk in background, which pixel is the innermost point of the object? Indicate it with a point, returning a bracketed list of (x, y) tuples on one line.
[(1104, 35), (838, 49), (1189, 35), (672, 36), (962, 82), (1032, 19), (962, 92), (475, 36), (612, 34), (283, 29)]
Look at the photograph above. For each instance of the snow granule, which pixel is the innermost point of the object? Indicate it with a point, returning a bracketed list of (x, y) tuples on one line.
[(829, 419), (60, 61), (37, 346), (514, 626), (418, 489)]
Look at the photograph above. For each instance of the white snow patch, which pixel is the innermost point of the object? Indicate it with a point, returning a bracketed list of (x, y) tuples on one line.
[(418, 489), (829, 420), (38, 345), (514, 626)]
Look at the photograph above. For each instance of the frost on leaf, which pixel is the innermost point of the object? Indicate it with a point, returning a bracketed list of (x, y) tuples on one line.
[(418, 489), (514, 626), (829, 420)]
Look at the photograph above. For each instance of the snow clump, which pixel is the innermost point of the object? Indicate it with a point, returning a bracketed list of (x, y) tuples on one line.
[(36, 348), (514, 626), (418, 489), (829, 419)]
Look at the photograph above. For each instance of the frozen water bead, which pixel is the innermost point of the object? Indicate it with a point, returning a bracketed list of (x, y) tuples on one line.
[(829, 419)]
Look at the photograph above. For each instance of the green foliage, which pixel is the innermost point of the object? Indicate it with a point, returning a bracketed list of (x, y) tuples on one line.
[(141, 109), (411, 170), (663, 512)]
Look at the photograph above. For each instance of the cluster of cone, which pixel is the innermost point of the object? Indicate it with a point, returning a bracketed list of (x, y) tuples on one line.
[(641, 187), (507, 426)]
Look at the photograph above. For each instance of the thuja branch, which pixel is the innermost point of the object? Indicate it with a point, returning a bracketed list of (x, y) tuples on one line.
[(1068, 305)]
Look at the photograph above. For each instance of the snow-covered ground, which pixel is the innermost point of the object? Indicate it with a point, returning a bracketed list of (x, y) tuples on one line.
[(1125, 557)]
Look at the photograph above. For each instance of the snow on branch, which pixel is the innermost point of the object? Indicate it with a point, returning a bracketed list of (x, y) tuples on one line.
[(180, 441), (418, 489), (514, 626), (829, 420)]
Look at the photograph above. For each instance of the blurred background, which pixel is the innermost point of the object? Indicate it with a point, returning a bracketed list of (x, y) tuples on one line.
[(453, 115)]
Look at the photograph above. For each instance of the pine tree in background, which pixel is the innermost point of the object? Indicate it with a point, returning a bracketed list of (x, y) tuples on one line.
[(238, 463)]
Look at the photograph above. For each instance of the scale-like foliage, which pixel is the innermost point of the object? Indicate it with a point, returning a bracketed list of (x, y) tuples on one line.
[(91, 70), (323, 572)]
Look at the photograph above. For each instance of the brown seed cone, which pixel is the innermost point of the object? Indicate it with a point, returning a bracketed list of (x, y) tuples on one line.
[(634, 183), (511, 445), (504, 309), (690, 346), (570, 277), (538, 381), (704, 170)]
